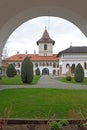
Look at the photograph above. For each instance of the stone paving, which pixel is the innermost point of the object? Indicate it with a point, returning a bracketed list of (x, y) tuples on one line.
[(47, 82)]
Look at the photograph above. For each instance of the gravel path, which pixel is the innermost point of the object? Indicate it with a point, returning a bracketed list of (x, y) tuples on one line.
[(47, 82)]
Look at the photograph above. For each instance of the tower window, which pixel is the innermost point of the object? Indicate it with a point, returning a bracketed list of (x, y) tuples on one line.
[(45, 47)]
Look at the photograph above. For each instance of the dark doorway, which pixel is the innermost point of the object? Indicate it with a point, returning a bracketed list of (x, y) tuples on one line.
[(45, 71)]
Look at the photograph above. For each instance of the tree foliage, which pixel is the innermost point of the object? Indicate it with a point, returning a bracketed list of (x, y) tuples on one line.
[(11, 71), (79, 73), (37, 71), (27, 70)]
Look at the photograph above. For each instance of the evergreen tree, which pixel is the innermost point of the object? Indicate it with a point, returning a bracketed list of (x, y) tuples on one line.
[(27, 70), (10, 70), (79, 73), (37, 71)]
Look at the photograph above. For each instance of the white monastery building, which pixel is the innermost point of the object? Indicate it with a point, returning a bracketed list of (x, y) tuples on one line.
[(70, 57), (45, 60), (61, 64)]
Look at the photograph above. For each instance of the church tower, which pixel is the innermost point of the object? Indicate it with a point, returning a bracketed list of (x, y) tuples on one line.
[(45, 45)]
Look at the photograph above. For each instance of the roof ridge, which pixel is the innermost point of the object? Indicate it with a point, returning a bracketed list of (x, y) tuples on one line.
[(45, 38)]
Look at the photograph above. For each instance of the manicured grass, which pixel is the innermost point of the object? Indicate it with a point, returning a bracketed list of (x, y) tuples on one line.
[(73, 81), (16, 80), (42, 103)]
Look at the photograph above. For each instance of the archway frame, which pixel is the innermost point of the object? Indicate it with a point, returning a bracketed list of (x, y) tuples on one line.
[(68, 10)]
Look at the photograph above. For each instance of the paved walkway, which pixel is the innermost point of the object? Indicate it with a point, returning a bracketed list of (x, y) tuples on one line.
[(47, 82)]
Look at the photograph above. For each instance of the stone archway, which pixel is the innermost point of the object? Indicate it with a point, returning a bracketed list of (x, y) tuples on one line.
[(14, 13), (45, 71)]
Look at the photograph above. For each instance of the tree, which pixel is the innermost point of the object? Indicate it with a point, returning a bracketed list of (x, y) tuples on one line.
[(37, 71), (79, 73), (11, 71), (27, 70)]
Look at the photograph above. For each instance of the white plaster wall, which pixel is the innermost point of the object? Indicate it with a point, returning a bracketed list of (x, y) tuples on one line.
[(47, 52), (73, 59)]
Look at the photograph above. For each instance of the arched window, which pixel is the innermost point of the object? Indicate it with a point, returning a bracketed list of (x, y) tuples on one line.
[(45, 47), (43, 64), (54, 72), (36, 64), (67, 65), (47, 64), (73, 68), (57, 65), (18, 65), (54, 65)]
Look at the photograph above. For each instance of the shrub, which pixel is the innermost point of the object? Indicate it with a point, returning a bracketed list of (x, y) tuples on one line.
[(55, 126), (37, 71), (68, 78), (27, 71), (10, 70), (58, 125), (15, 72), (79, 73)]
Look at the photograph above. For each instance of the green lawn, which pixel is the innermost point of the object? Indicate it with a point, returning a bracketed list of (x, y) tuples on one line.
[(73, 81), (16, 80), (42, 103)]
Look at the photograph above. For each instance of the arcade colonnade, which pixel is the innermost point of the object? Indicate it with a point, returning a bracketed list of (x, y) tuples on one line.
[(15, 12)]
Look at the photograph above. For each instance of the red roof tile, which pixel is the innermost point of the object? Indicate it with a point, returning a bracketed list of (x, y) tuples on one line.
[(33, 57)]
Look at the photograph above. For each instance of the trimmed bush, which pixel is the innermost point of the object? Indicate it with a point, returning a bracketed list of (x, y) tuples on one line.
[(79, 73), (10, 70), (37, 71), (68, 78), (27, 71)]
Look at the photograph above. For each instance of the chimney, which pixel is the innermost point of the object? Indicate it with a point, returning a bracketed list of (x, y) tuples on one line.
[(26, 52), (34, 52), (17, 52)]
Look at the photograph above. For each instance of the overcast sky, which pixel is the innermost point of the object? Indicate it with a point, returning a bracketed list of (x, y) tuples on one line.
[(60, 30)]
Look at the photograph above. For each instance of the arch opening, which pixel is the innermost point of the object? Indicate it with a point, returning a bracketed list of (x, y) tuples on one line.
[(20, 32), (45, 71), (23, 15)]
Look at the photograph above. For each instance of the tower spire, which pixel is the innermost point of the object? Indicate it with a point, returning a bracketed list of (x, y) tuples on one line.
[(45, 27)]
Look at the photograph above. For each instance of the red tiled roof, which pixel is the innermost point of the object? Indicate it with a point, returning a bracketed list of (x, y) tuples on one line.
[(33, 57)]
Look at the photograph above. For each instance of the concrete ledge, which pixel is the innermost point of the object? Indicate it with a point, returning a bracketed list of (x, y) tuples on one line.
[(37, 121)]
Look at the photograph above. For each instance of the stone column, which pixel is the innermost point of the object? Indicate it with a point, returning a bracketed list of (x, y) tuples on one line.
[(0, 61)]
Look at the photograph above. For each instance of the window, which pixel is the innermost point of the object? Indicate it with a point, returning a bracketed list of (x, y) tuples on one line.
[(47, 64), (36, 64), (67, 65), (85, 65), (73, 68), (57, 65), (18, 65), (43, 64), (45, 47), (54, 65), (54, 72)]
